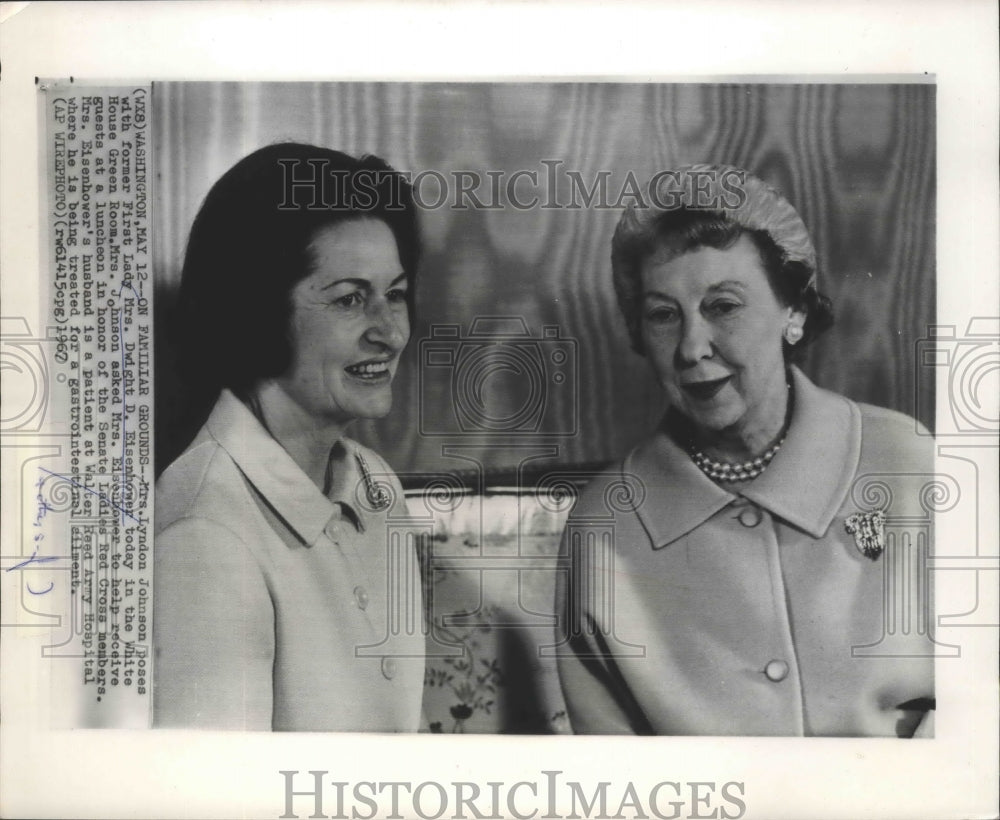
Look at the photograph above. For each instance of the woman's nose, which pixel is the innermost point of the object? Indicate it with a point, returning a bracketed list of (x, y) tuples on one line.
[(389, 325), (695, 343)]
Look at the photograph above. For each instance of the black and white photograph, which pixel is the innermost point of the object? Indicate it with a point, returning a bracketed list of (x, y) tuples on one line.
[(633, 432), (631, 313)]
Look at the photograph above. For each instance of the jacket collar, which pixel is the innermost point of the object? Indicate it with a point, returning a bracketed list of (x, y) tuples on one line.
[(273, 472), (804, 485)]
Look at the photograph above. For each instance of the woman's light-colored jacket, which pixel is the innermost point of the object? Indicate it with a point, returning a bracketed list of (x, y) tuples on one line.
[(276, 607), (696, 609)]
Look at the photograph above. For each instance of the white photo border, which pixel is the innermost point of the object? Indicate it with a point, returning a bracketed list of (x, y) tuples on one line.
[(109, 773)]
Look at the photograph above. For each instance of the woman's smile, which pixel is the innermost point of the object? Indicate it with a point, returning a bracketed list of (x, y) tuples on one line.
[(370, 371)]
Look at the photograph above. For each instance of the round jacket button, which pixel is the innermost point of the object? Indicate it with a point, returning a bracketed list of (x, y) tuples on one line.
[(361, 597), (389, 668), (776, 670), (750, 517)]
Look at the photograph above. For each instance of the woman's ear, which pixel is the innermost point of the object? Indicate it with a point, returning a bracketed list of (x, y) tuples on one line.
[(794, 330)]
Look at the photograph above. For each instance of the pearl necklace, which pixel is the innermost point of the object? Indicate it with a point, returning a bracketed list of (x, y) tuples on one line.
[(726, 471)]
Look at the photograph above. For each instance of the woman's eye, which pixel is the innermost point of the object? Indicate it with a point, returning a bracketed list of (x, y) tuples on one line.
[(397, 295), (350, 300), (723, 308), (661, 314)]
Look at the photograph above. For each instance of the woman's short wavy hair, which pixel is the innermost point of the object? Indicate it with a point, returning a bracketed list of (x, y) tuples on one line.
[(712, 206), (250, 244)]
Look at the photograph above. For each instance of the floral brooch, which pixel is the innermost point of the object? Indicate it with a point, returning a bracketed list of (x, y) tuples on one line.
[(868, 529)]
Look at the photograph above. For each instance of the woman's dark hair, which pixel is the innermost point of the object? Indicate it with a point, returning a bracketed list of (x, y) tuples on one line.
[(250, 245), (765, 216)]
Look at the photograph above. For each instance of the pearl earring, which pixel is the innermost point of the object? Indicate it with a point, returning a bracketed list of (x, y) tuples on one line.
[(793, 334)]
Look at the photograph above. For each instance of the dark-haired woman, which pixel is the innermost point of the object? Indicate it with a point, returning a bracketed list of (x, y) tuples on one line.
[(734, 574), (285, 597)]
